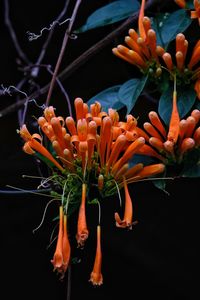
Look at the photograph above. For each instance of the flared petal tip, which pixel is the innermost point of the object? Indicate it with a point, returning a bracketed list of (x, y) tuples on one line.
[(96, 279)]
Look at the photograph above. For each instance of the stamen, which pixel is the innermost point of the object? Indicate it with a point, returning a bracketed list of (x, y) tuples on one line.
[(43, 217)]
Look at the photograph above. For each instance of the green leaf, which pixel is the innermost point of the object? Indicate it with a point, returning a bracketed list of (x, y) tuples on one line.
[(139, 158), (160, 184), (130, 91), (185, 99), (193, 172), (108, 98), (109, 14), (192, 164), (190, 4), (167, 26), (197, 104), (44, 159)]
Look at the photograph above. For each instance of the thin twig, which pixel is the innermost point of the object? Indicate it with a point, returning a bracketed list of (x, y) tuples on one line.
[(48, 68), (63, 91), (8, 23), (34, 72), (19, 112), (71, 68), (62, 51), (69, 282)]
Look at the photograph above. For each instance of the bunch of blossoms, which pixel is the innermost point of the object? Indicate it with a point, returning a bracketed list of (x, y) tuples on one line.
[(142, 50), (90, 153), (175, 145), (149, 57), (185, 72)]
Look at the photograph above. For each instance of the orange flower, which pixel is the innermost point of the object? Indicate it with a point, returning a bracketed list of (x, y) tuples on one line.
[(171, 147), (130, 151), (96, 114), (173, 132), (82, 139), (184, 70), (57, 260), (143, 50), (96, 276), (181, 3), (32, 144), (195, 14), (102, 145), (82, 231), (140, 21), (197, 88), (62, 253), (126, 222), (66, 246)]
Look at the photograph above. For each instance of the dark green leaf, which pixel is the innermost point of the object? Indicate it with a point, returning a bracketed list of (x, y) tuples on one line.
[(190, 4), (108, 98), (44, 159), (109, 14), (193, 171), (139, 158), (197, 104), (192, 164), (160, 184), (130, 91), (186, 98), (167, 26)]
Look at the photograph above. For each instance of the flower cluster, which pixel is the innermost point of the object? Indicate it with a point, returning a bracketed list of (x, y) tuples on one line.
[(187, 72), (142, 51), (90, 152), (172, 145)]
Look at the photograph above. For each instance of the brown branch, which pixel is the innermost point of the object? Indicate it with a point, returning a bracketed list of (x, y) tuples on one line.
[(71, 68), (62, 51), (34, 72), (8, 23)]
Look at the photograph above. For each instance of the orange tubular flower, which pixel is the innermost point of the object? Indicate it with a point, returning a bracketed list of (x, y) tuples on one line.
[(173, 132), (144, 51), (181, 137), (95, 113), (62, 253), (140, 21), (105, 139), (94, 151), (58, 255), (66, 246), (130, 151), (96, 276), (126, 222), (181, 3), (195, 14), (197, 88), (82, 139), (187, 71), (82, 231), (32, 144)]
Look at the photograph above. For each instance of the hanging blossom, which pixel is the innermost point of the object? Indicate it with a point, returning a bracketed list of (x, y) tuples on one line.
[(194, 14), (91, 151), (62, 253)]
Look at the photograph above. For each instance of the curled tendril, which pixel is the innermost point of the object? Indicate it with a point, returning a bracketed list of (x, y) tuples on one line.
[(7, 90), (32, 36)]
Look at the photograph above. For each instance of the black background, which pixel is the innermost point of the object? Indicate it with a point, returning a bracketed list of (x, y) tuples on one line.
[(158, 258)]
